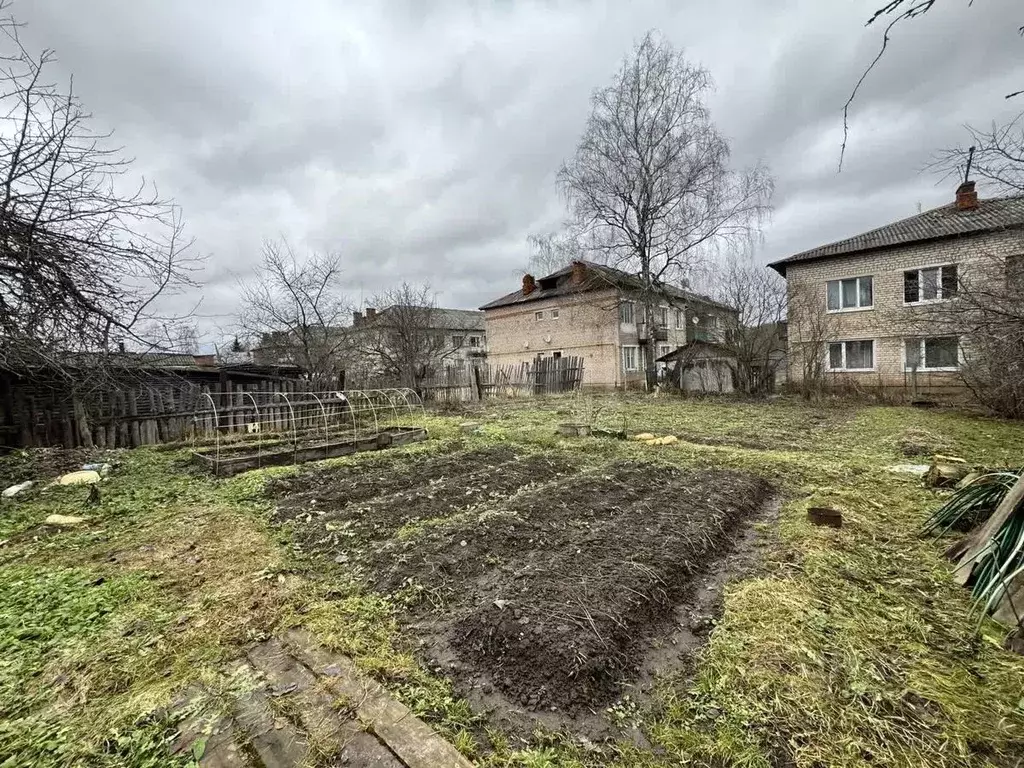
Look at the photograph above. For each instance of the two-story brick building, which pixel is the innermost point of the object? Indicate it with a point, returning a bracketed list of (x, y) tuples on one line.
[(879, 310), (594, 312)]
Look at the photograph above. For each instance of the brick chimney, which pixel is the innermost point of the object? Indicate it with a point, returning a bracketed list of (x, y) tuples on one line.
[(529, 284), (357, 318), (579, 272), (966, 197), (371, 314)]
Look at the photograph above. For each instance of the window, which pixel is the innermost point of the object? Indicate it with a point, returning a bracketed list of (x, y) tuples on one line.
[(554, 314), (851, 355), (626, 313), (663, 317), (474, 341), (852, 293), (538, 315), (629, 359), (712, 321), (939, 353), (457, 341), (929, 284), (680, 319), (663, 349)]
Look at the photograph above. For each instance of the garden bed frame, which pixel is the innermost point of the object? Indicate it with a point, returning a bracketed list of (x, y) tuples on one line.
[(226, 465)]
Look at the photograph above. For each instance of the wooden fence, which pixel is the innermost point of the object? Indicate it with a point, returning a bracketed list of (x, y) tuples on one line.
[(159, 408), (140, 410), (540, 377)]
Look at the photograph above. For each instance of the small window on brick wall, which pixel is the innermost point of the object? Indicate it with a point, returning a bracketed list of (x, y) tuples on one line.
[(938, 353), (930, 284), (851, 355), (851, 293)]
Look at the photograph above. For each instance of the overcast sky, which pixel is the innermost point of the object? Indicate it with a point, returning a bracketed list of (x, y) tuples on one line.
[(421, 140)]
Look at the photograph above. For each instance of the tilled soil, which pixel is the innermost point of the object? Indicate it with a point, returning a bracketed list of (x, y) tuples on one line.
[(550, 595), (348, 511), (547, 585)]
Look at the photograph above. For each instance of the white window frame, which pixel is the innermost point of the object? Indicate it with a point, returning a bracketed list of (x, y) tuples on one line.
[(663, 317), (470, 341), (920, 283), (924, 368), (632, 313), (538, 315), (844, 369), (680, 319), (636, 358), (858, 308), (664, 349), (554, 313)]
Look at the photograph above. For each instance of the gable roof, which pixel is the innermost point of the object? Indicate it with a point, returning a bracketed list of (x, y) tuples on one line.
[(946, 221), (444, 319), (598, 276)]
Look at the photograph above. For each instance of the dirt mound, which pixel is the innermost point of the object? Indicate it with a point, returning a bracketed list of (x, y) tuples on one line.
[(549, 593), (917, 441), (342, 510), (348, 483)]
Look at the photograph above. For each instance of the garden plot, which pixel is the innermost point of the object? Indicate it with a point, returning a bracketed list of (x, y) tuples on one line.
[(346, 512), (534, 582)]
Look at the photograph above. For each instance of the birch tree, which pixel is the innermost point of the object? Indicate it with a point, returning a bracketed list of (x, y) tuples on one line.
[(650, 184)]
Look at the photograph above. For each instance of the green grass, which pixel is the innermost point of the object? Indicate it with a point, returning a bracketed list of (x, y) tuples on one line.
[(852, 647)]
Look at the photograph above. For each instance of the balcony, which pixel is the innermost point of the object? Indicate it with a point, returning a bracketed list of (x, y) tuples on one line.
[(660, 332)]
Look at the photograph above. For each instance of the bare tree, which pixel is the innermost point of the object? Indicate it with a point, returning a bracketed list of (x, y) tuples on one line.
[(810, 329), (895, 12), (295, 310), (406, 339), (995, 154), (181, 337), (650, 183), (552, 251), (759, 295), (84, 256), (980, 329)]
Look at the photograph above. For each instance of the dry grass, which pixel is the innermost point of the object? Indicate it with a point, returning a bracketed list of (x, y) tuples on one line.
[(852, 648)]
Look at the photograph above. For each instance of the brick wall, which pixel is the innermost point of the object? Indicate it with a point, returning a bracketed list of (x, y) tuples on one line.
[(588, 327), (890, 321)]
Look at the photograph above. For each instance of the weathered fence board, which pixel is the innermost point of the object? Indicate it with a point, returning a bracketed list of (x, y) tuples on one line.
[(453, 385)]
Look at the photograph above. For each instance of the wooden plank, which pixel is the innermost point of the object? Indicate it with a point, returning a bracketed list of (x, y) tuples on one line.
[(412, 740)]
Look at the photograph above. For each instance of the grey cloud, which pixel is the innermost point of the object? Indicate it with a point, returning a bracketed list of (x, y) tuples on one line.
[(421, 140)]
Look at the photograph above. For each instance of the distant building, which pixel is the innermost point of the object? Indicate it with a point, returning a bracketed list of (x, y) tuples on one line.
[(594, 312), (875, 311), (451, 338)]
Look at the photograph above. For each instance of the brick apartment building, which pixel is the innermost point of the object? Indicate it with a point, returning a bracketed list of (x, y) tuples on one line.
[(592, 311), (877, 310)]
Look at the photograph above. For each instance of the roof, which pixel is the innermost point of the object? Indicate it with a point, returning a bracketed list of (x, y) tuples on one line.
[(440, 317), (458, 319), (598, 276), (169, 361), (994, 214), (697, 350)]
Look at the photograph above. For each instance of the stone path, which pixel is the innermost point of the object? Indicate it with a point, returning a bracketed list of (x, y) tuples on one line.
[(300, 705)]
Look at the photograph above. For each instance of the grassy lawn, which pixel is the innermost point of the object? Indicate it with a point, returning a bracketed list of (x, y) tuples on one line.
[(849, 647)]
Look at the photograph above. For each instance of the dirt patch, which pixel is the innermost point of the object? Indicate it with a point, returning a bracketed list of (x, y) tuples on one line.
[(550, 598), (739, 442), (544, 592), (917, 441), (41, 465), (332, 487), (346, 513)]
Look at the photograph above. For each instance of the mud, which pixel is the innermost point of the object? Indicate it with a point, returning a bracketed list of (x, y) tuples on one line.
[(547, 593)]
